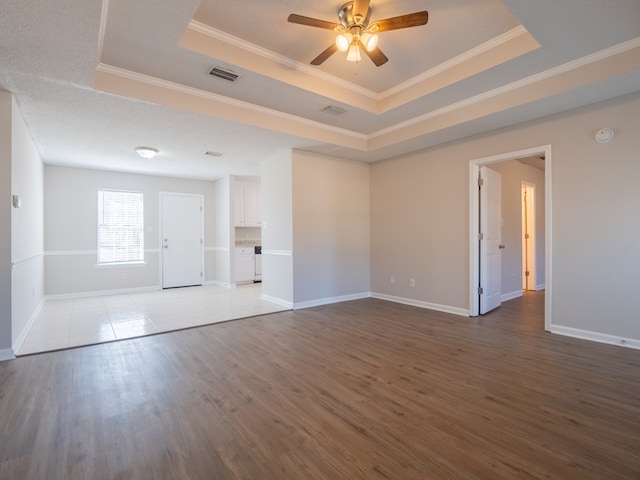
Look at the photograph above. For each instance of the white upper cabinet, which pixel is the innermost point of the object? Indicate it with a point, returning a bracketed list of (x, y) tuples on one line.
[(247, 204)]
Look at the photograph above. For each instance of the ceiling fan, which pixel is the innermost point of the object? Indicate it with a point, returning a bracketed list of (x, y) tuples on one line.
[(356, 34)]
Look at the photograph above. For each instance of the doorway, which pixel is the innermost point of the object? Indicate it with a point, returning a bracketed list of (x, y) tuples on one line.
[(474, 225), (182, 242)]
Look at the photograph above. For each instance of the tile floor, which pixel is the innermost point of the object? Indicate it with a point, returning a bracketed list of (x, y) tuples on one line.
[(86, 321)]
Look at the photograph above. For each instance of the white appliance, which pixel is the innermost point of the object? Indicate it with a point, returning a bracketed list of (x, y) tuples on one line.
[(258, 266)]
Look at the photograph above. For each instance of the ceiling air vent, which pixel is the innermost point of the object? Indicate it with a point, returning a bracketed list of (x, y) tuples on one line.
[(224, 74), (333, 110)]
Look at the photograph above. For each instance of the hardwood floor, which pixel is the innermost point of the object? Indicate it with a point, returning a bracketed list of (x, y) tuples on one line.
[(359, 390)]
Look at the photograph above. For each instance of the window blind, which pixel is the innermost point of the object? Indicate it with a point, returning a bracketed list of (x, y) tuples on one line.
[(120, 227)]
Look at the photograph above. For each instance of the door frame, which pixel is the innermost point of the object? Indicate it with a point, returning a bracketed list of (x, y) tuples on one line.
[(161, 195), (474, 219)]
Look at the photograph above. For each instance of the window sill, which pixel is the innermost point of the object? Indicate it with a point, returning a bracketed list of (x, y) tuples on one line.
[(120, 264)]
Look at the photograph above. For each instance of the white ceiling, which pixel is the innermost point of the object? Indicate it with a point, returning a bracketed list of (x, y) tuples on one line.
[(93, 79)]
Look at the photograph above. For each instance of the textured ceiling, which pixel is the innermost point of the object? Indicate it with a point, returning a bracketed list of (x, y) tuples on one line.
[(94, 79)]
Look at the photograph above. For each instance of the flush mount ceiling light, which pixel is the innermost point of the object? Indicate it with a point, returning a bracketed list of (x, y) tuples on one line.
[(146, 152), (356, 34)]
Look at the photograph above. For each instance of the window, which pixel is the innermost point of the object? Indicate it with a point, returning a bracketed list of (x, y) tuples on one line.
[(120, 227)]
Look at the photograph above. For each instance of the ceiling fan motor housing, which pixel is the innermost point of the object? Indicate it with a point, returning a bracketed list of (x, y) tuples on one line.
[(347, 19)]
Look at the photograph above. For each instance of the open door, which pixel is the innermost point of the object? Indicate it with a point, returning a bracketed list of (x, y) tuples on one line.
[(490, 237)]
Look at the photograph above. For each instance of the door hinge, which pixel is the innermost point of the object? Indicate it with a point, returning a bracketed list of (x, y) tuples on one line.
[(200, 241), (201, 209), (526, 274), (526, 236), (200, 274), (480, 291), (480, 236), (480, 181)]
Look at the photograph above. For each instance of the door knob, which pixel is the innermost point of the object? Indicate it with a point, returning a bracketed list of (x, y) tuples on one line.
[(501, 246)]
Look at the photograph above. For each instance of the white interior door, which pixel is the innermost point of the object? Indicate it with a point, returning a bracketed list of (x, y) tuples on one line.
[(182, 240), (490, 240)]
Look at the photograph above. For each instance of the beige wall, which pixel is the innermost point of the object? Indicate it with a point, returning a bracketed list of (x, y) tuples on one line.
[(330, 229), (420, 219), (70, 229)]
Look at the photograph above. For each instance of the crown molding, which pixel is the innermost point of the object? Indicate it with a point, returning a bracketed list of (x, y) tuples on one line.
[(513, 86), (402, 130), (103, 27), (511, 44), (455, 61), (276, 57), (238, 106)]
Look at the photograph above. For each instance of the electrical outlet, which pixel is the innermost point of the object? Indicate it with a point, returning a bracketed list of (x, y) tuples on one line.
[(392, 279), (412, 282)]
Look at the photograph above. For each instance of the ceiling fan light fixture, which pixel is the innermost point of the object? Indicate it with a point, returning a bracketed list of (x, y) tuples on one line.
[(146, 152), (370, 41), (354, 53), (343, 41), (354, 32)]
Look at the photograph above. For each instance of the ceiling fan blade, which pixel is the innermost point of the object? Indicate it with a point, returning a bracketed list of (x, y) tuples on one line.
[(361, 7), (403, 21), (375, 55), (324, 55), (312, 22)]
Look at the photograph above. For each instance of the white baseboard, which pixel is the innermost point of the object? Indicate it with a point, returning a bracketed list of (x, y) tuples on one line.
[(6, 354), (329, 300), (510, 296), (25, 331), (100, 293), (277, 301), (418, 303), (540, 287), (595, 336)]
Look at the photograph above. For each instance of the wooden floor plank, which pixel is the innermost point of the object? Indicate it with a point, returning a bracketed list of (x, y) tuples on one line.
[(358, 390)]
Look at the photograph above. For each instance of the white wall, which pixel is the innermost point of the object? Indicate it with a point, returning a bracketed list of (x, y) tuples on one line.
[(70, 229), (330, 229), (513, 174), (5, 225), (420, 219), (27, 237), (277, 228)]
